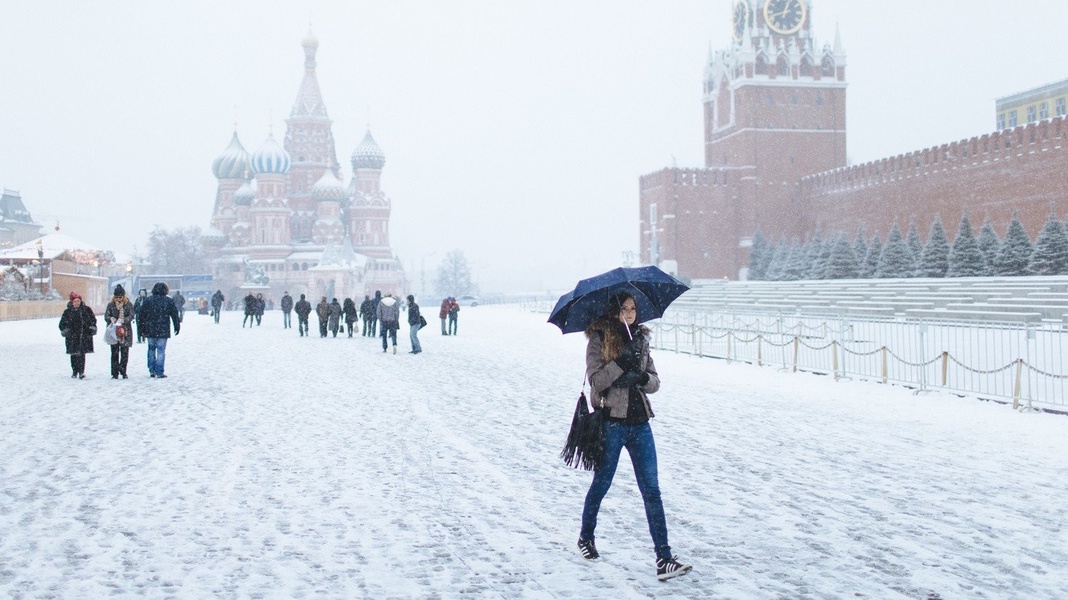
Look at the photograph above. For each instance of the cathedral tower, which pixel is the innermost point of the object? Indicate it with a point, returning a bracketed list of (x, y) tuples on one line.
[(310, 142)]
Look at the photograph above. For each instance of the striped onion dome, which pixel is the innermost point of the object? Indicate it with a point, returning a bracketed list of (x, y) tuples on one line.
[(328, 188), (232, 163), (270, 158), (244, 195), (368, 155)]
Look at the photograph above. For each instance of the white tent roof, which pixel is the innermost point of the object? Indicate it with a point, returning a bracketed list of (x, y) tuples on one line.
[(53, 245)]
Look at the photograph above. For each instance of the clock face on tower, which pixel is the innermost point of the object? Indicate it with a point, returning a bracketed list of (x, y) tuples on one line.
[(785, 16), (740, 19)]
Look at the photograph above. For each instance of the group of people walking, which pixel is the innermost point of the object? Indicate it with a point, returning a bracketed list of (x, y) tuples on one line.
[(153, 316)]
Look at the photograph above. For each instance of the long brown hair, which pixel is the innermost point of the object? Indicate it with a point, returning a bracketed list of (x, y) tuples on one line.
[(607, 325)]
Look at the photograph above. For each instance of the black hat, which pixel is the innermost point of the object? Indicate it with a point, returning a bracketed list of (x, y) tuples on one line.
[(411, 298), (119, 291)]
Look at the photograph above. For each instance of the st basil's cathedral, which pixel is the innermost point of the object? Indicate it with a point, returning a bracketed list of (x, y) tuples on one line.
[(284, 220)]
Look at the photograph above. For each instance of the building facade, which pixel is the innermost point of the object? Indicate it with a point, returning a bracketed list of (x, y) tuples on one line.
[(284, 221), (1032, 106), (16, 225), (775, 160)]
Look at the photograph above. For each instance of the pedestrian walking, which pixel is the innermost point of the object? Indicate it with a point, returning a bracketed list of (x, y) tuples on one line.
[(158, 313), (322, 310), (120, 311), (374, 312), (287, 307), (621, 373), (334, 316), (261, 305), (415, 322), (142, 294), (351, 314), (443, 314), (454, 314), (179, 303), (250, 311), (217, 300), (388, 316), (78, 326), (367, 309), (303, 308)]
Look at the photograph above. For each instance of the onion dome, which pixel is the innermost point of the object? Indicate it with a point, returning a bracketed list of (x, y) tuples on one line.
[(328, 188), (232, 163), (270, 158), (244, 195), (368, 155), (310, 41)]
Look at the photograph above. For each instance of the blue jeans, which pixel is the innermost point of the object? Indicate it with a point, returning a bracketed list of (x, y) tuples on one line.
[(638, 440), (157, 353), (413, 335)]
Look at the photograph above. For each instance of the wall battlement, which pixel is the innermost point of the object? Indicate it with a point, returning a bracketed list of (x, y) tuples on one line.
[(692, 177), (1046, 136)]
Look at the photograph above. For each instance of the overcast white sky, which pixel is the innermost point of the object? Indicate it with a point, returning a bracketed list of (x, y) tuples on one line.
[(515, 131)]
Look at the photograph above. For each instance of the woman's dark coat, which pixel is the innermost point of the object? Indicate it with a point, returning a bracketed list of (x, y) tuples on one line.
[(349, 309), (78, 326)]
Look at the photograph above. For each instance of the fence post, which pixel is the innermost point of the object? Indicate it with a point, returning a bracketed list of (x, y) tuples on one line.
[(1016, 387), (760, 338), (945, 366), (884, 364), (797, 348), (699, 334), (834, 354), (677, 327), (730, 334)]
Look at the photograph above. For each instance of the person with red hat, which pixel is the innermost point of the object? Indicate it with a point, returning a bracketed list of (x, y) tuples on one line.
[(78, 326)]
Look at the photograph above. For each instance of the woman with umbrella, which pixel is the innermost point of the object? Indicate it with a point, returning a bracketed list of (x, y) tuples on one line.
[(621, 374)]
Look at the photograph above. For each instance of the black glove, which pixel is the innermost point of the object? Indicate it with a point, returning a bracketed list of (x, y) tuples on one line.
[(630, 378), (176, 330), (629, 358)]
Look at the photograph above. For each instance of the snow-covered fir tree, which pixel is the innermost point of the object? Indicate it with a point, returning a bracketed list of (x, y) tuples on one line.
[(779, 256), (813, 254), (842, 263), (915, 246), (989, 244), (824, 259), (760, 255), (796, 266), (935, 259), (1050, 256), (870, 265), (896, 259), (965, 258), (860, 247), (1015, 252)]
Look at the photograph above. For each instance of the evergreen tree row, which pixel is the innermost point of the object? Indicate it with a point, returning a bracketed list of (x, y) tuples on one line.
[(906, 256)]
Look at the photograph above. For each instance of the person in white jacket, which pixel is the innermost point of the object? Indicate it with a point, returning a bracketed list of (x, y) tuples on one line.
[(388, 320)]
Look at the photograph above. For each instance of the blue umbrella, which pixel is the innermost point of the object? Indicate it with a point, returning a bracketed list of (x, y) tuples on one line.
[(653, 291)]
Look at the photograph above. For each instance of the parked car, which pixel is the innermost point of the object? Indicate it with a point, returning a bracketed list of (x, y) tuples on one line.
[(468, 300)]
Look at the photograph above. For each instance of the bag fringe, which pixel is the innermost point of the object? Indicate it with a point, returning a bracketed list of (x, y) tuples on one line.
[(585, 442)]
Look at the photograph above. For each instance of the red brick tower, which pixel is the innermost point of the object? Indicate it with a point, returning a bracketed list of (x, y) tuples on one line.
[(774, 112)]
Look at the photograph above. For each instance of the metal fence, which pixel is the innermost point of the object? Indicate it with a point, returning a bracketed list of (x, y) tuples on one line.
[(1014, 362)]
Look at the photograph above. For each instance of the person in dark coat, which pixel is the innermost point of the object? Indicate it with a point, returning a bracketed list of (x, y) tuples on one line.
[(349, 308), (414, 323), (157, 314), (454, 312), (367, 309), (443, 314), (250, 311), (78, 326), (303, 309), (142, 294), (261, 305), (217, 300), (374, 312), (322, 310), (334, 316), (287, 306), (120, 311), (179, 303)]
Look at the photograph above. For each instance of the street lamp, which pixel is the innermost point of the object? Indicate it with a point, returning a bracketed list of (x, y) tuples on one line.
[(40, 265)]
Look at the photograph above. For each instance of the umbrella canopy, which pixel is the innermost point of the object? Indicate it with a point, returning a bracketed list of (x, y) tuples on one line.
[(653, 291)]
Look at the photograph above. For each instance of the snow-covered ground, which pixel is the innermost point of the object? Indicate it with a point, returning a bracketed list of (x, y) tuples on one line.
[(273, 466)]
